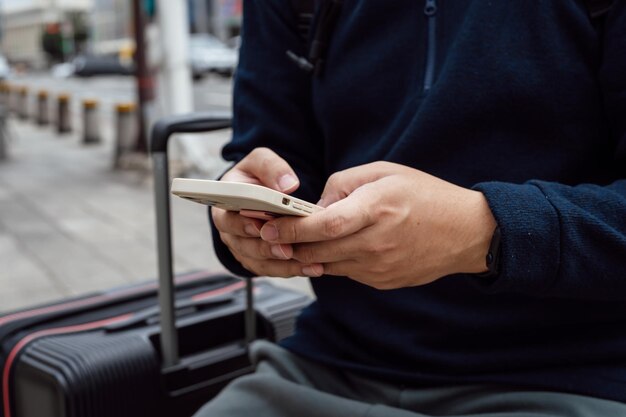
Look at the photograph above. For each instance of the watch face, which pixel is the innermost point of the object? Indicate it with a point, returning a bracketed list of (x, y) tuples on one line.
[(494, 253)]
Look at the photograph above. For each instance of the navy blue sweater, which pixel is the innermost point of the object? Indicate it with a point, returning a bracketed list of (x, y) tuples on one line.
[(522, 100)]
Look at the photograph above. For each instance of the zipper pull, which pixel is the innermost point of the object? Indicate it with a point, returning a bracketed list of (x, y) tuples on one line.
[(431, 8)]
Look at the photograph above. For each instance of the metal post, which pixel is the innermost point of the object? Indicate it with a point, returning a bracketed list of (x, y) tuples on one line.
[(169, 335), (5, 96), (126, 137), (91, 122), (13, 99), (3, 133), (250, 315), (22, 107), (43, 115), (64, 122)]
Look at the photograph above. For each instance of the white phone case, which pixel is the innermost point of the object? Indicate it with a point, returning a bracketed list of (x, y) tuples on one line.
[(236, 196)]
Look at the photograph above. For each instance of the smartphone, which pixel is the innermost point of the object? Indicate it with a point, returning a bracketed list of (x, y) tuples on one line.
[(250, 200)]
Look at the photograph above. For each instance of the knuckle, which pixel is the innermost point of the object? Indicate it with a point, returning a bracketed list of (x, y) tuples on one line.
[(288, 232), (245, 262), (371, 248), (265, 251), (378, 249), (227, 240), (305, 255), (271, 269), (378, 269), (335, 179), (218, 218), (335, 226), (229, 222), (259, 152), (266, 163), (235, 245), (249, 248), (365, 214)]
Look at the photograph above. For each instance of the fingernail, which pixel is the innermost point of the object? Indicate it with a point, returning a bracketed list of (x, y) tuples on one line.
[(279, 251), (269, 232), (287, 182), (312, 270), (251, 230)]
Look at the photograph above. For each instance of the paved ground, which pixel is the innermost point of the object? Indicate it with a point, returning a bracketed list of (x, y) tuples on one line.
[(70, 225)]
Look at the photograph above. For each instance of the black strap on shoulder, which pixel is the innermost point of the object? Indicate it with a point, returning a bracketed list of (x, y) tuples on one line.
[(304, 9), (324, 13), (598, 8)]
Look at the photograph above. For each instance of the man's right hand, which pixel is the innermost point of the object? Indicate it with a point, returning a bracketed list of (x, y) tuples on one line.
[(242, 234)]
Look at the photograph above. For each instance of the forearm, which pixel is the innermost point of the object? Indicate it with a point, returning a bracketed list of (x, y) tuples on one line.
[(560, 240)]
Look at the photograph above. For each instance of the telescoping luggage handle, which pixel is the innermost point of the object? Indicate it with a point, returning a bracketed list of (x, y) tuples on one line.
[(162, 131)]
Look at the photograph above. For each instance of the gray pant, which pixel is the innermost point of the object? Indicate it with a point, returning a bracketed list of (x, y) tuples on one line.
[(287, 385)]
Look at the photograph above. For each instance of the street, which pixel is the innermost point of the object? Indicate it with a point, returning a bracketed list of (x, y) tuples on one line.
[(70, 224), (211, 93)]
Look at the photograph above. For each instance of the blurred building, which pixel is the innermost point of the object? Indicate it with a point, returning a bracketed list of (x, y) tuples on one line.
[(220, 17), (111, 22), (111, 26), (31, 26)]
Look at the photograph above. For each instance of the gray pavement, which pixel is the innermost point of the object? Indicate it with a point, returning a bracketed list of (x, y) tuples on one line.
[(70, 225)]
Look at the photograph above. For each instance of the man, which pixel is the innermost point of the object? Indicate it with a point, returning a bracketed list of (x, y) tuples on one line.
[(471, 259)]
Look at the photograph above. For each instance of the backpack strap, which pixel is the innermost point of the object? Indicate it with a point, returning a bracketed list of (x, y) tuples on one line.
[(598, 8), (316, 38), (304, 10)]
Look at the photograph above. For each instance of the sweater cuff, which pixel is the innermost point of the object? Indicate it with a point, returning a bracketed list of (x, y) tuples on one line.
[(530, 238), (224, 255)]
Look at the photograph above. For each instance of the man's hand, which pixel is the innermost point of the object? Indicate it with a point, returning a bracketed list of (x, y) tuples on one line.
[(241, 234), (390, 226)]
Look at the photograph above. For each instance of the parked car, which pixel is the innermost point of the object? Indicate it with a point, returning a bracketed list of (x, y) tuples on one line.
[(208, 54), (90, 65)]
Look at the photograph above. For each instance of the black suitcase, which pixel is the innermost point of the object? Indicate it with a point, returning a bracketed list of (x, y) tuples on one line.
[(133, 351)]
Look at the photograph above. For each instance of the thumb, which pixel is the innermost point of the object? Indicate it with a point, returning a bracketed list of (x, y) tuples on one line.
[(343, 183), (263, 166)]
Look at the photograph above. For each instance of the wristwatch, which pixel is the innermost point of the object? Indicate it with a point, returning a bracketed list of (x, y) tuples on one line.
[(493, 255)]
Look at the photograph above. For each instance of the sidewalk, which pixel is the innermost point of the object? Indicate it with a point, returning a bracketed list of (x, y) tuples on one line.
[(70, 225)]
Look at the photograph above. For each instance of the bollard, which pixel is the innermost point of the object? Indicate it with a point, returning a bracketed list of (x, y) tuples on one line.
[(22, 103), (5, 95), (11, 99), (14, 98), (126, 137), (3, 136), (91, 122), (64, 122), (43, 114)]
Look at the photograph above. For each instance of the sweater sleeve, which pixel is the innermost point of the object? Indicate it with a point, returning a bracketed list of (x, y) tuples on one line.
[(570, 241), (272, 103)]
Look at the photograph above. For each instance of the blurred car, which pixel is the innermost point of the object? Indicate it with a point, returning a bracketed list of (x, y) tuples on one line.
[(208, 54), (91, 65), (5, 69), (63, 70), (234, 42)]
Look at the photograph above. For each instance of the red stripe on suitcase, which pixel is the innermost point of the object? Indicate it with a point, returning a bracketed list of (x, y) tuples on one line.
[(104, 297), (42, 333), (80, 328), (229, 288)]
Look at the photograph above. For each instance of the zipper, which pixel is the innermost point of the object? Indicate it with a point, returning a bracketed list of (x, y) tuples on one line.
[(430, 10)]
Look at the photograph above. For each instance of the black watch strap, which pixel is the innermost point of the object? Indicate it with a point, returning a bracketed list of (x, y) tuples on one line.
[(493, 255)]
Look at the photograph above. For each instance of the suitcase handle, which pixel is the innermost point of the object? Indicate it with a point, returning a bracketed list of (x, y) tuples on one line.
[(182, 308), (161, 132)]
